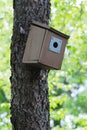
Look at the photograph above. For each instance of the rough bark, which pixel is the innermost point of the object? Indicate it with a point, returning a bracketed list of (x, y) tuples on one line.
[(29, 88)]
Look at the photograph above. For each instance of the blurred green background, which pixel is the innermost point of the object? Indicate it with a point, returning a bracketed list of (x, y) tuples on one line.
[(68, 86)]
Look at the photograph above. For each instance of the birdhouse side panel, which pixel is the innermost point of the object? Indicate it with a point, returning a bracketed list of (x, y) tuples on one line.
[(33, 45)]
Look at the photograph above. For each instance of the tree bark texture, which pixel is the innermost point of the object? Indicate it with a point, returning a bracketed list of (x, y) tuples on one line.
[(29, 88)]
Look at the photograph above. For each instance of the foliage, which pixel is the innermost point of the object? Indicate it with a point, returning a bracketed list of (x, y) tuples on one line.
[(5, 36), (67, 87)]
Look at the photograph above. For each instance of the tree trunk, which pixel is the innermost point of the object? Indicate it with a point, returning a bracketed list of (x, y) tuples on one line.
[(29, 88)]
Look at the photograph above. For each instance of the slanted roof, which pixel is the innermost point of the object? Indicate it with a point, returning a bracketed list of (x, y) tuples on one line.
[(42, 25)]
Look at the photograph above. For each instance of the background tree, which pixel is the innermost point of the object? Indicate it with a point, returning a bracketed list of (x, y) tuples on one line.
[(29, 89), (5, 35), (68, 87)]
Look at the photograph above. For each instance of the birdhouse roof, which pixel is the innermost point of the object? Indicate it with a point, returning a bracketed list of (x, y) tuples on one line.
[(42, 25)]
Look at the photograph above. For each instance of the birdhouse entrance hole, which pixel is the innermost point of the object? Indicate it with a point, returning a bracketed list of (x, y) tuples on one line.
[(55, 44)]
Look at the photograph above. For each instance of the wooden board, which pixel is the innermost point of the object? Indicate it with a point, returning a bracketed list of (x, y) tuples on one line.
[(34, 44), (50, 58)]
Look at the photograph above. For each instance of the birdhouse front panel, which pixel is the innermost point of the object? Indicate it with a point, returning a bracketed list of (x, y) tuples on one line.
[(53, 50)]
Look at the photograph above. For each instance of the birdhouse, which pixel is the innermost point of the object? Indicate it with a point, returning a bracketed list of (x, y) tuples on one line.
[(45, 47)]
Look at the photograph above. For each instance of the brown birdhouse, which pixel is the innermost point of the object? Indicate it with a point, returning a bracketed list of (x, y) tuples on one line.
[(45, 47)]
